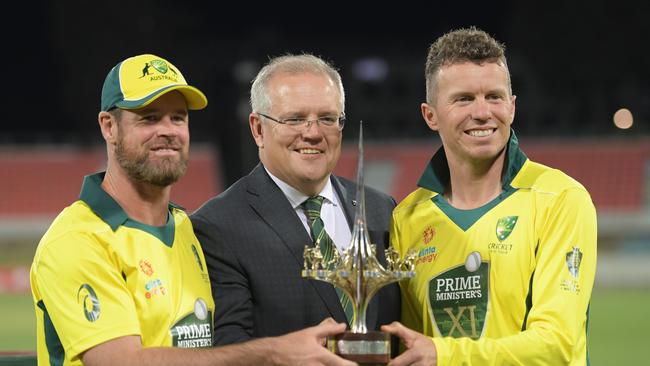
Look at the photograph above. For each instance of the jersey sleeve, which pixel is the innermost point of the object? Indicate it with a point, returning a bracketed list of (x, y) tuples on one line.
[(561, 286), (83, 293), (411, 310)]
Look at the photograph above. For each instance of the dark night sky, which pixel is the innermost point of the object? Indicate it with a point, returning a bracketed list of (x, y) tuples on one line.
[(573, 64)]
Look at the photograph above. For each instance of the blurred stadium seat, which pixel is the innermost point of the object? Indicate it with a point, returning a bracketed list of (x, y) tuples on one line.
[(39, 183)]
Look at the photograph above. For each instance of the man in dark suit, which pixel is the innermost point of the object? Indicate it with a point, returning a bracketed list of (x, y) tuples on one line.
[(254, 233)]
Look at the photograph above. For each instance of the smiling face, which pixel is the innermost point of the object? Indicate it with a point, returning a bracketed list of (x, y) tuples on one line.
[(152, 143), (300, 156), (472, 111)]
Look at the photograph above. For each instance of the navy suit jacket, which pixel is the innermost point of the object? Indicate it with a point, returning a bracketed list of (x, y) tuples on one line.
[(253, 242)]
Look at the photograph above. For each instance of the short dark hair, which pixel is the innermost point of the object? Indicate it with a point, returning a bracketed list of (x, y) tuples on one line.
[(462, 45), (116, 113)]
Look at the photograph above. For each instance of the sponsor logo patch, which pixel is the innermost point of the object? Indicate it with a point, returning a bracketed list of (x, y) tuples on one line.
[(89, 301), (573, 260), (146, 267), (426, 255), (458, 298), (154, 287), (195, 329), (428, 234)]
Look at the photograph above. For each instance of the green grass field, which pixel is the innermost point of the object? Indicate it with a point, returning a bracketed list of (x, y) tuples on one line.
[(17, 323), (617, 326)]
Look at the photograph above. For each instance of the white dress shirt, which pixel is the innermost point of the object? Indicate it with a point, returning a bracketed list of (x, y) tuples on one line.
[(331, 212)]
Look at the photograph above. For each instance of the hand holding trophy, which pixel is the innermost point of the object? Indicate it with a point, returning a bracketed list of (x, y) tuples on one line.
[(358, 273)]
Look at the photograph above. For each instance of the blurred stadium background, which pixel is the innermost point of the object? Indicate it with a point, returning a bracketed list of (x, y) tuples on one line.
[(574, 66)]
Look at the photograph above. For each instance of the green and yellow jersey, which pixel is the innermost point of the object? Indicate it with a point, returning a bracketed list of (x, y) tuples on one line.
[(98, 275), (506, 283)]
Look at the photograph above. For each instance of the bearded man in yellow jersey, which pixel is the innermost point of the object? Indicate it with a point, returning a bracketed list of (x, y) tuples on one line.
[(119, 278), (505, 248)]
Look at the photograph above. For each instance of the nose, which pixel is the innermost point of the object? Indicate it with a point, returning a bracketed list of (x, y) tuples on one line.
[(311, 128), (167, 127), (481, 110)]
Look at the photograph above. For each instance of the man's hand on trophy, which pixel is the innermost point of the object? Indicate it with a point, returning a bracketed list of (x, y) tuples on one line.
[(420, 349), (307, 346)]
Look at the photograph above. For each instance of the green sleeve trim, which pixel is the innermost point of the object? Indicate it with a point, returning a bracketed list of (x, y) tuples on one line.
[(52, 341)]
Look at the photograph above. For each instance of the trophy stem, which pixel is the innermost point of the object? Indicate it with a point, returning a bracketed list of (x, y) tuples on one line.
[(360, 275), (359, 323)]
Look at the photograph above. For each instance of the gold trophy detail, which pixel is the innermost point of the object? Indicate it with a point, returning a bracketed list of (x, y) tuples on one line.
[(358, 273)]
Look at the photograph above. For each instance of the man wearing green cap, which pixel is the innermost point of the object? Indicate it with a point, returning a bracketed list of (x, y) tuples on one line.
[(119, 277)]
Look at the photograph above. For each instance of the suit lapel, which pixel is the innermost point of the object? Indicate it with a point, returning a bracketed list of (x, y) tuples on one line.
[(266, 198), (273, 207)]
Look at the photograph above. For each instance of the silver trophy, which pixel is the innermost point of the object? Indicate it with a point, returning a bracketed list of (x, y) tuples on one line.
[(358, 273)]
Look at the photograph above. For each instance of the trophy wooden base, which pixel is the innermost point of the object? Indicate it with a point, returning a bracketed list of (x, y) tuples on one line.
[(372, 348)]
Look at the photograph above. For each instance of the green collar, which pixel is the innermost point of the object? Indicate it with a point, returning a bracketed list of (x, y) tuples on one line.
[(436, 173), (104, 206), (436, 177)]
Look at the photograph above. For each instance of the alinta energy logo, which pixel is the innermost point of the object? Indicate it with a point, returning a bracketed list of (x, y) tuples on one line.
[(88, 298), (426, 255), (504, 228), (162, 67)]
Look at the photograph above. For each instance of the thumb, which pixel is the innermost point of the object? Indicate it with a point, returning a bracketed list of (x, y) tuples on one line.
[(398, 329), (329, 320), (329, 327)]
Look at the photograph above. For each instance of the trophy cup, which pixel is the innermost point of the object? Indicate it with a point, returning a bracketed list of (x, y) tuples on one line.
[(358, 273)]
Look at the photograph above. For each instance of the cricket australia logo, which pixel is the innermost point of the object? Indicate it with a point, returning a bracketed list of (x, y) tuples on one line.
[(162, 67), (458, 298), (88, 298), (505, 225), (573, 259)]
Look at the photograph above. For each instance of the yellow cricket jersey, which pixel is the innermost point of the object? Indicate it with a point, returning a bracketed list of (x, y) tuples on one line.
[(98, 275), (508, 283)]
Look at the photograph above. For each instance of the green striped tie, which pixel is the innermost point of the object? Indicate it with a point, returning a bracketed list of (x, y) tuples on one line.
[(324, 242)]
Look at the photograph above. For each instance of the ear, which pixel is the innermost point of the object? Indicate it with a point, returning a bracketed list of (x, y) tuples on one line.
[(108, 126), (512, 106), (430, 116), (255, 124)]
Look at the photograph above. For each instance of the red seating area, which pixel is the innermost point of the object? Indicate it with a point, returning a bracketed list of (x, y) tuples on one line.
[(42, 182), (39, 183), (613, 172)]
